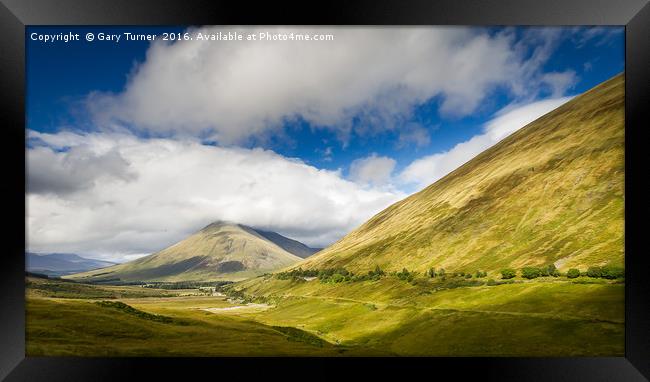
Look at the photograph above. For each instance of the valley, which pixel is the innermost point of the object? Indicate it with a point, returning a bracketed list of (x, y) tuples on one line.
[(542, 317), (518, 252)]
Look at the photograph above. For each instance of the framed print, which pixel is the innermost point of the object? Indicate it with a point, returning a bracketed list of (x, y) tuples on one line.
[(372, 187)]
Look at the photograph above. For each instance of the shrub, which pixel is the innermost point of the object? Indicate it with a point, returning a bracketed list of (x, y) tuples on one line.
[(492, 282), (337, 278), (441, 272), (610, 272), (405, 275), (572, 273), (552, 270), (594, 272), (468, 275), (480, 274), (530, 273), (508, 273), (431, 272)]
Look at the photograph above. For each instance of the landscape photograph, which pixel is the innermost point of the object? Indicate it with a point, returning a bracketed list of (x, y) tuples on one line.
[(213, 191)]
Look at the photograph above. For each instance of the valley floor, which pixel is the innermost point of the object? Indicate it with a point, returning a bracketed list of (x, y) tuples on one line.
[(543, 317)]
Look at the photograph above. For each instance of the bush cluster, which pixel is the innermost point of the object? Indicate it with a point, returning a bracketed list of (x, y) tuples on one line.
[(508, 273), (405, 275), (606, 272), (530, 272), (432, 272), (572, 273), (331, 275), (185, 284), (136, 312), (492, 282)]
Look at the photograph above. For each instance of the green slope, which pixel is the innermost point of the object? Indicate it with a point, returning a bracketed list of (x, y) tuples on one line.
[(220, 251), (552, 192), (543, 317), (84, 328)]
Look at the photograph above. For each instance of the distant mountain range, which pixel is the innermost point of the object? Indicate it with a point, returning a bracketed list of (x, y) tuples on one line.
[(220, 251), (59, 264)]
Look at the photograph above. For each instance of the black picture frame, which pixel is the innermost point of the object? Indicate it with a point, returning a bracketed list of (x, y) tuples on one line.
[(15, 15)]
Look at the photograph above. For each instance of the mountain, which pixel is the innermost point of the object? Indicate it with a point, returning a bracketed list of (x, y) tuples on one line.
[(58, 264), (220, 251), (289, 245), (552, 192)]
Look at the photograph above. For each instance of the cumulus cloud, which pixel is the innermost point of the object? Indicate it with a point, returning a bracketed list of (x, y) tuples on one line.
[(428, 169), (366, 79), (73, 170), (155, 192), (374, 170)]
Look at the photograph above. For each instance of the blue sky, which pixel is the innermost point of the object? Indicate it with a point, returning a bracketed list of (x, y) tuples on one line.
[(385, 111)]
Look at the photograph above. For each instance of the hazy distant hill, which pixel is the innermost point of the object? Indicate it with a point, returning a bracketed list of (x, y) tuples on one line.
[(220, 251), (57, 264), (552, 192)]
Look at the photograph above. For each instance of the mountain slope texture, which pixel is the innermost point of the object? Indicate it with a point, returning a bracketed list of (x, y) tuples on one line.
[(552, 192), (293, 246), (220, 251)]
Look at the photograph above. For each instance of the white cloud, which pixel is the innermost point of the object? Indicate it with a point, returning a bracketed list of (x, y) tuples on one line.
[(176, 187), (373, 170), (427, 170), (413, 133), (232, 91)]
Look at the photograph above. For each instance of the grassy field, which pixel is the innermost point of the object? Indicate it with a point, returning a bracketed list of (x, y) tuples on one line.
[(154, 326), (544, 317)]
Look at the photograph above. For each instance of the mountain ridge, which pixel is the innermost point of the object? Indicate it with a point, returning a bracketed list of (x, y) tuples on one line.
[(58, 264), (222, 250), (551, 192)]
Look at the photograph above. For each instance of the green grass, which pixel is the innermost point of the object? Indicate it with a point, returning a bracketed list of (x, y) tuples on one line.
[(82, 328), (541, 317), (135, 312)]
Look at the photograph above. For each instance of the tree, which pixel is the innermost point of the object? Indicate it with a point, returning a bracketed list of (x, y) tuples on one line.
[(572, 273), (468, 275), (432, 272), (508, 273), (530, 272), (594, 271), (611, 272), (552, 270), (441, 272)]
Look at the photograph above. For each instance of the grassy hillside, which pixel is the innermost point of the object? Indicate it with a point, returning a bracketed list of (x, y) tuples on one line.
[(220, 251), (84, 328), (552, 192), (538, 318)]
